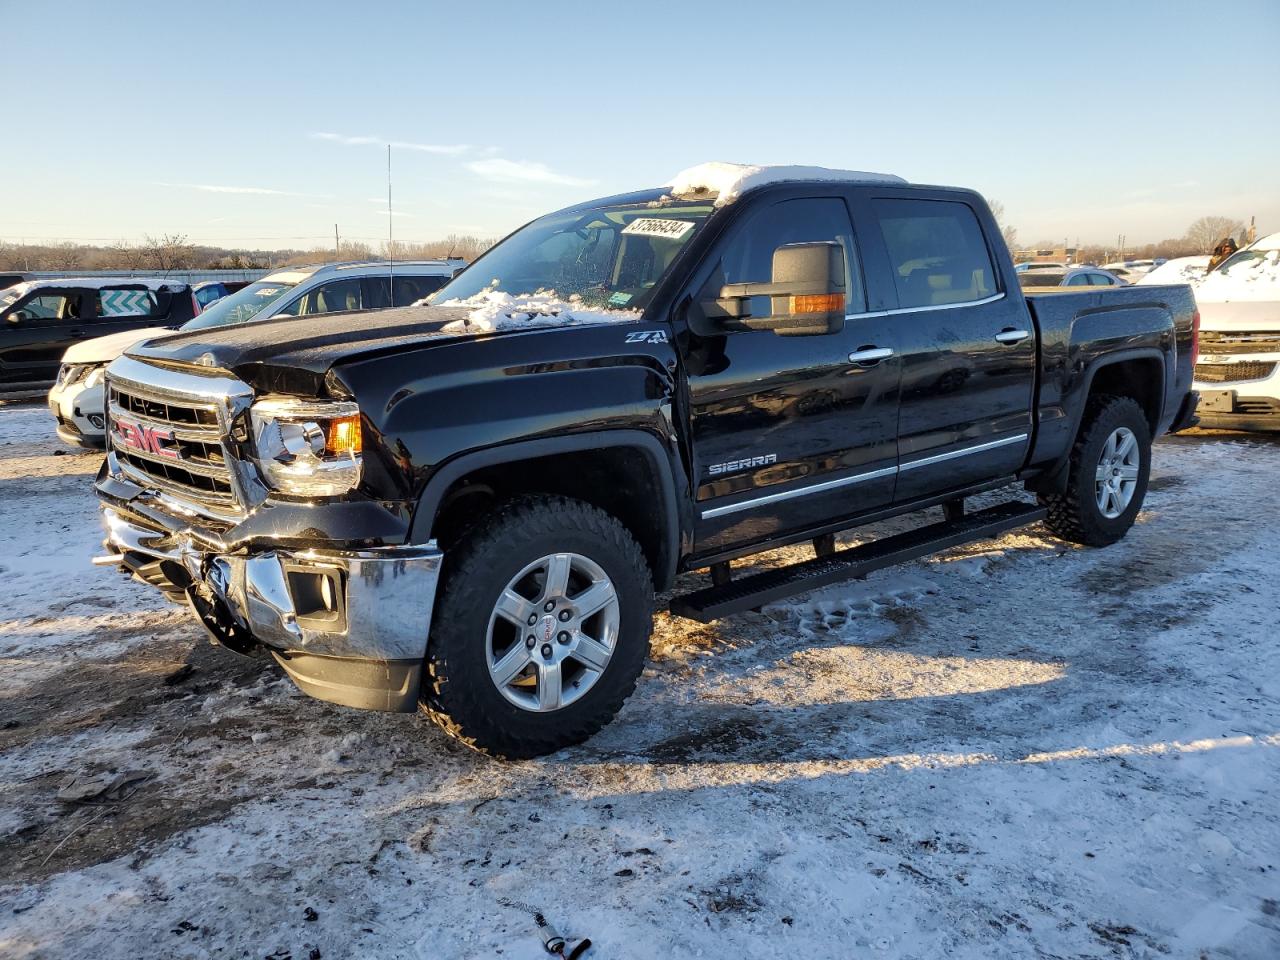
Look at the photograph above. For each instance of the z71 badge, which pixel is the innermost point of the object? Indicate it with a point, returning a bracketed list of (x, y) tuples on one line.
[(746, 463), (647, 336)]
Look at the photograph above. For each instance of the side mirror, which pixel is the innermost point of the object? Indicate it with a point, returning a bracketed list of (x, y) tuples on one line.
[(17, 317), (807, 293)]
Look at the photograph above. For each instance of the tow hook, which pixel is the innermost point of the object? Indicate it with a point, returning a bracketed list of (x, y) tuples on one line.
[(217, 621)]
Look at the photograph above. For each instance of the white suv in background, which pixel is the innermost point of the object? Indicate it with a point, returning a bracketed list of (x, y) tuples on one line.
[(1238, 374), (77, 396)]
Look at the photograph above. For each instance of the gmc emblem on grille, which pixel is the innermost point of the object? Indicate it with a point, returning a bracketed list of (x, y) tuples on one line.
[(147, 439)]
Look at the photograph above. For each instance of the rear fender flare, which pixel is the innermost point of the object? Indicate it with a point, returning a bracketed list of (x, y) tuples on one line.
[(1054, 479)]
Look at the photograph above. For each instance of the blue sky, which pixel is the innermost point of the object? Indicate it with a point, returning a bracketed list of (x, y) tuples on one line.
[(263, 124)]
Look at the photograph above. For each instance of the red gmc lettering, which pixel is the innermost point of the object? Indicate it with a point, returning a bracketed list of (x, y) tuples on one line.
[(147, 439)]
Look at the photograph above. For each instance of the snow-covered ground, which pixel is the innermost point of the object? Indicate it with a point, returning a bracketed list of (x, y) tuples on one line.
[(1019, 749)]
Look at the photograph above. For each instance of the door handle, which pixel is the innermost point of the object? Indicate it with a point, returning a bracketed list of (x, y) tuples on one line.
[(76, 332), (870, 355), (1012, 336)]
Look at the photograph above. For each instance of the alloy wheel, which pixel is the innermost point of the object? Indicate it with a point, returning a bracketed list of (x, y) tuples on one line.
[(552, 632)]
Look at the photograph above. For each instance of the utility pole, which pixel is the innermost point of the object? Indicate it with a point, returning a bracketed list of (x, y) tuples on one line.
[(337, 245), (391, 237)]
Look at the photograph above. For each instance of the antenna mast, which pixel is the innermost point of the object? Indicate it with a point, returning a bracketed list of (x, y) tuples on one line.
[(391, 238)]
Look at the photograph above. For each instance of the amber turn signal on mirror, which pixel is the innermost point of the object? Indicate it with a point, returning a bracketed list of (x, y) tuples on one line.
[(818, 303)]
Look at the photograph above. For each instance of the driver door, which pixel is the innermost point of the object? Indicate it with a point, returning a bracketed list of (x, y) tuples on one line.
[(38, 330), (788, 432)]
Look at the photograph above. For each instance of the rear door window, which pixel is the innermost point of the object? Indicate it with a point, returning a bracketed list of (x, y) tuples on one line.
[(937, 252), (1079, 280), (115, 303), (410, 289)]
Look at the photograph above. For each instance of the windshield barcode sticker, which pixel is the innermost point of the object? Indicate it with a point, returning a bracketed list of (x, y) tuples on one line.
[(667, 229)]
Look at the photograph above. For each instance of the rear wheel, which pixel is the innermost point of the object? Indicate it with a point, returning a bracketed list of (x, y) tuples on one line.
[(1107, 482), (541, 628)]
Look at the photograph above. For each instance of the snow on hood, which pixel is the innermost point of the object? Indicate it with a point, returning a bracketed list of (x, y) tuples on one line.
[(1178, 270), (494, 310), (105, 349), (729, 181), (1257, 279)]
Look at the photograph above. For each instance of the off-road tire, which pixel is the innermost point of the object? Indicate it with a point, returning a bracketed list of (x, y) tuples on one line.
[(1074, 514), (458, 693)]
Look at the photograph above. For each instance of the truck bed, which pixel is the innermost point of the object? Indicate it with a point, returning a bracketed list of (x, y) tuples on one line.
[(1076, 328)]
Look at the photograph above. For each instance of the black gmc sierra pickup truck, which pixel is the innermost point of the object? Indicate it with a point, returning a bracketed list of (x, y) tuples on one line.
[(469, 505)]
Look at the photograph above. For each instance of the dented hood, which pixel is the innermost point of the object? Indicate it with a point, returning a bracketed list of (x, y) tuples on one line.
[(307, 345)]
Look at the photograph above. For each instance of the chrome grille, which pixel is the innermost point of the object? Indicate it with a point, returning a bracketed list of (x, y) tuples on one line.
[(1231, 372), (167, 435), (1240, 341)]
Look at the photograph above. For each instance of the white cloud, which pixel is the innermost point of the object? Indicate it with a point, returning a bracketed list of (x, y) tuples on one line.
[(446, 149), (220, 188), (522, 171)]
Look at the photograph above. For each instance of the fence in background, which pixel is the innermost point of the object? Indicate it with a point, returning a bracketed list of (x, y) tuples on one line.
[(184, 276)]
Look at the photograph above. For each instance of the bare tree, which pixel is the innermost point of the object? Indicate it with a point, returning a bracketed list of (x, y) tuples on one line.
[(169, 252), (1204, 234), (63, 256), (1009, 233), (123, 255)]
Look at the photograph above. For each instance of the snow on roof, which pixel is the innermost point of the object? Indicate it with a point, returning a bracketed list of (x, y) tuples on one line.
[(96, 283), (493, 310), (729, 181)]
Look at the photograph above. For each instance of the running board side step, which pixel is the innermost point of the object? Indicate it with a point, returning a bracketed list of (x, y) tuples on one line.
[(749, 593)]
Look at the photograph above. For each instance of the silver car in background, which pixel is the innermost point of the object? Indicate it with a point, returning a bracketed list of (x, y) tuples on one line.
[(77, 398)]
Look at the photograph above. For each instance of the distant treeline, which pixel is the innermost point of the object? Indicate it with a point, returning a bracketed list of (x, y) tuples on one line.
[(175, 252)]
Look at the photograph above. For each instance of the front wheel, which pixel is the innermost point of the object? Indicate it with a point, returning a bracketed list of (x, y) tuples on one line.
[(541, 629), (1107, 482)]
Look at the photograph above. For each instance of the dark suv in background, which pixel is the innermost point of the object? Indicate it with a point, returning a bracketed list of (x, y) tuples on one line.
[(40, 319)]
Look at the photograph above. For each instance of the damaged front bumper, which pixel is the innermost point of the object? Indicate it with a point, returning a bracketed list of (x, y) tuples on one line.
[(347, 626)]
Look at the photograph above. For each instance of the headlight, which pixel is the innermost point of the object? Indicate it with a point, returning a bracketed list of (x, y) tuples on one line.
[(69, 373), (307, 447), (95, 377)]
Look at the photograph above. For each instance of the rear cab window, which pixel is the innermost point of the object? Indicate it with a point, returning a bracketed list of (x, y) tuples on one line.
[(937, 252)]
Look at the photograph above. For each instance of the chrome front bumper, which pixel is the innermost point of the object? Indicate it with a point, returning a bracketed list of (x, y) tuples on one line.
[(348, 626)]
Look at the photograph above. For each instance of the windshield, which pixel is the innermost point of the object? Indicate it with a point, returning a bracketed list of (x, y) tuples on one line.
[(242, 306), (11, 295), (609, 257), (1248, 259)]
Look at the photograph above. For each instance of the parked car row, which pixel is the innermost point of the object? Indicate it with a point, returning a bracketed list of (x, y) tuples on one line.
[(1069, 277), (69, 330)]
